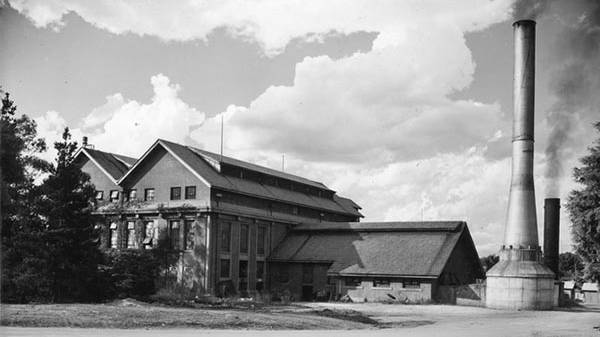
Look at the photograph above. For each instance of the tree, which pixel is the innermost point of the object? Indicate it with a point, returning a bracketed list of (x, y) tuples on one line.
[(583, 206), (65, 201), (570, 266), (489, 261), (23, 260)]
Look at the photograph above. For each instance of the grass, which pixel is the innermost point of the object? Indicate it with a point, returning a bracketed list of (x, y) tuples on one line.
[(127, 315)]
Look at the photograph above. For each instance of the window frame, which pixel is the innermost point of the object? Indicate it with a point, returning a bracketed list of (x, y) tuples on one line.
[(188, 225), (101, 193), (113, 231), (221, 269), (245, 227), (384, 283), (411, 284), (146, 194), (261, 240), (173, 195), (148, 240), (175, 240), (188, 195), (222, 247), (353, 282), (131, 235), (131, 192)]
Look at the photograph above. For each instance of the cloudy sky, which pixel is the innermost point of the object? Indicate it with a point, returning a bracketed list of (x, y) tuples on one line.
[(403, 106)]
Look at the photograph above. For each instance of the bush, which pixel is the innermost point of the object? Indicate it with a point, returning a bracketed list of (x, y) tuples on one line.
[(132, 273)]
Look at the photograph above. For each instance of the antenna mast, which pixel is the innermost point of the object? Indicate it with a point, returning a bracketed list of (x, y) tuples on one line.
[(222, 136)]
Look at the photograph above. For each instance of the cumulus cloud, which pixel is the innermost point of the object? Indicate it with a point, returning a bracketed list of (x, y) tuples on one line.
[(271, 23), (129, 127)]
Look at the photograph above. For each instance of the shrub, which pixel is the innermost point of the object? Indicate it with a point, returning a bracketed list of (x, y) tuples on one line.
[(132, 273)]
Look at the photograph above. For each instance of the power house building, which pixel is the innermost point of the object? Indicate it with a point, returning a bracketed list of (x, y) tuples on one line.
[(235, 225)]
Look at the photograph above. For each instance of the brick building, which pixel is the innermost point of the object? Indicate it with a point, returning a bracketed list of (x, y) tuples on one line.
[(231, 223)]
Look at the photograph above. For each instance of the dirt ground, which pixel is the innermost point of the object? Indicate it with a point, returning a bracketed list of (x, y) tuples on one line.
[(345, 320)]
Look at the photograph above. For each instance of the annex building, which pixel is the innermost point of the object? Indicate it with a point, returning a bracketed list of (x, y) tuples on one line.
[(240, 228)]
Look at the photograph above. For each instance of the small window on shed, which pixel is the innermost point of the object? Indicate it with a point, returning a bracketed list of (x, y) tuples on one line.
[(352, 282), (411, 284), (381, 283), (175, 193), (99, 195)]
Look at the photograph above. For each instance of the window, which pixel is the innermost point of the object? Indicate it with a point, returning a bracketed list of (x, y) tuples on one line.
[(149, 194), (225, 236), (114, 195), (307, 273), (148, 234), (175, 193), (381, 283), (131, 195), (243, 270), (352, 282), (261, 236), (174, 234), (131, 239), (244, 238), (224, 268), (189, 235), (411, 284), (114, 243), (99, 195), (190, 192), (260, 270)]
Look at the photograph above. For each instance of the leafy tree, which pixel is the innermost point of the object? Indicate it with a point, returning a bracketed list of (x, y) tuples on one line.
[(570, 266), (23, 262), (583, 206), (489, 261), (65, 201)]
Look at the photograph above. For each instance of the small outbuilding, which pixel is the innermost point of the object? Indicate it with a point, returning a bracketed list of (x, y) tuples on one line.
[(375, 261)]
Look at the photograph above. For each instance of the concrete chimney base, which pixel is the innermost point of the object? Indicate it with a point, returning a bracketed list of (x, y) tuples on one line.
[(518, 283)]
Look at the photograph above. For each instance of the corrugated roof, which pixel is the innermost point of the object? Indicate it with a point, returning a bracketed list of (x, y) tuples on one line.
[(395, 249), (202, 168), (115, 165)]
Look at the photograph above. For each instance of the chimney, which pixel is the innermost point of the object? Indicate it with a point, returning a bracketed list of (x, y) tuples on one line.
[(520, 280), (521, 222), (84, 141), (551, 233)]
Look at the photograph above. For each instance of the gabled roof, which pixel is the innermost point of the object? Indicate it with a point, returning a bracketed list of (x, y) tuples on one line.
[(206, 168), (112, 164), (411, 249)]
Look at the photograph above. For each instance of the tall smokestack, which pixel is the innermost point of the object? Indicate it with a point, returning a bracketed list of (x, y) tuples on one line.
[(521, 222), (519, 280), (551, 233)]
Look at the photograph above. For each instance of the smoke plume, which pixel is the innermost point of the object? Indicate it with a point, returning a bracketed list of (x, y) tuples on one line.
[(575, 81)]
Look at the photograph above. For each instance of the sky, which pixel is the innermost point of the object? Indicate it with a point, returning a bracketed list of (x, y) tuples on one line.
[(403, 106)]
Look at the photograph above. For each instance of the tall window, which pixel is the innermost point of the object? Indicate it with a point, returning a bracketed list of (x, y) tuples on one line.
[(307, 273), (244, 229), (189, 235), (243, 274), (114, 243), (149, 194), (114, 195), (174, 234), (225, 236), (131, 239), (260, 272), (224, 273), (175, 193), (190, 192), (148, 234), (261, 237)]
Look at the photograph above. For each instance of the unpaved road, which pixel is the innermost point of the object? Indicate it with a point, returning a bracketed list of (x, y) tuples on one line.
[(403, 320)]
